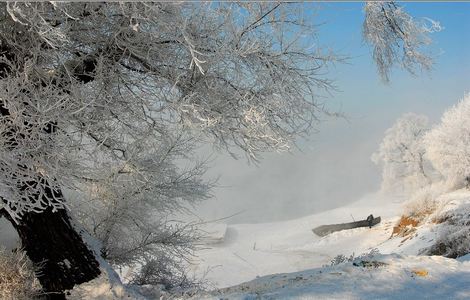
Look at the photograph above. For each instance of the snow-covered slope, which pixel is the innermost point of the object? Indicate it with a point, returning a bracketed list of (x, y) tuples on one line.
[(445, 231), (251, 250), (384, 277), (286, 260)]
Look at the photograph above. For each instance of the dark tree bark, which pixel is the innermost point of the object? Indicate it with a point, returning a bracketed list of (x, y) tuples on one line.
[(48, 237), (51, 242)]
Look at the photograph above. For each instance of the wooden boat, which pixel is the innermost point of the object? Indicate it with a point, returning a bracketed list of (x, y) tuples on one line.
[(327, 229)]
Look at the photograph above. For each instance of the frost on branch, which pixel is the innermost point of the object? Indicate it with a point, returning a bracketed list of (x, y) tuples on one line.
[(129, 209), (401, 155), (448, 144), (87, 86), (396, 37)]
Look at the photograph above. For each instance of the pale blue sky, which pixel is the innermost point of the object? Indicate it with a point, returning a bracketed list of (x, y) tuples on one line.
[(360, 85), (334, 166)]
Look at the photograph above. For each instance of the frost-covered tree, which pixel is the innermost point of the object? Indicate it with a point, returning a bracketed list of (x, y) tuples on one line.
[(92, 95), (448, 143), (131, 210), (87, 88), (401, 155), (397, 38)]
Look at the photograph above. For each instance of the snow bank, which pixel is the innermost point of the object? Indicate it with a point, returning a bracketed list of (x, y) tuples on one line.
[(391, 277), (445, 231), (212, 233), (251, 250)]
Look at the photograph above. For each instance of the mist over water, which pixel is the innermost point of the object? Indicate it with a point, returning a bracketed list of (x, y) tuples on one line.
[(333, 168)]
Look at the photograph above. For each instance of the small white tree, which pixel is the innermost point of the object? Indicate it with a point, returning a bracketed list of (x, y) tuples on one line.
[(401, 155), (448, 143)]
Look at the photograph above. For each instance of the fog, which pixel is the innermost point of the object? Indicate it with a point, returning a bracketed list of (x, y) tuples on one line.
[(331, 169)]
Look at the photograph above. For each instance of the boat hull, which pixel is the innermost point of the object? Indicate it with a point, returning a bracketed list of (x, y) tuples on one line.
[(327, 229)]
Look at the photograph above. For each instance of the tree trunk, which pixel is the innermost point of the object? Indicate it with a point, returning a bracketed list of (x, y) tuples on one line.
[(48, 237), (51, 242)]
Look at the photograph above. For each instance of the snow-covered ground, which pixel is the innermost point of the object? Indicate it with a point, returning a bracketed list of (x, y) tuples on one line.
[(286, 260), (397, 277), (251, 250)]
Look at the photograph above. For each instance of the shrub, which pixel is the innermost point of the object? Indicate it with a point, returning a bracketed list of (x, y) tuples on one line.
[(168, 272), (17, 276), (453, 242), (340, 258), (425, 201), (454, 232)]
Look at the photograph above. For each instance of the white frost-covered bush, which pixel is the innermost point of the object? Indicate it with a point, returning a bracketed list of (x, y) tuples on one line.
[(425, 201), (164, 271), (17, 276), (453, 242), (448, 144), (454, 230), (341, 258), (401, 155)]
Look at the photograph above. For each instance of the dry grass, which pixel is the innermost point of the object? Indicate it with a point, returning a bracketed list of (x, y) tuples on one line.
[(425, 201), (405, 227), (423, 204), (17, 276), (420, 272)]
